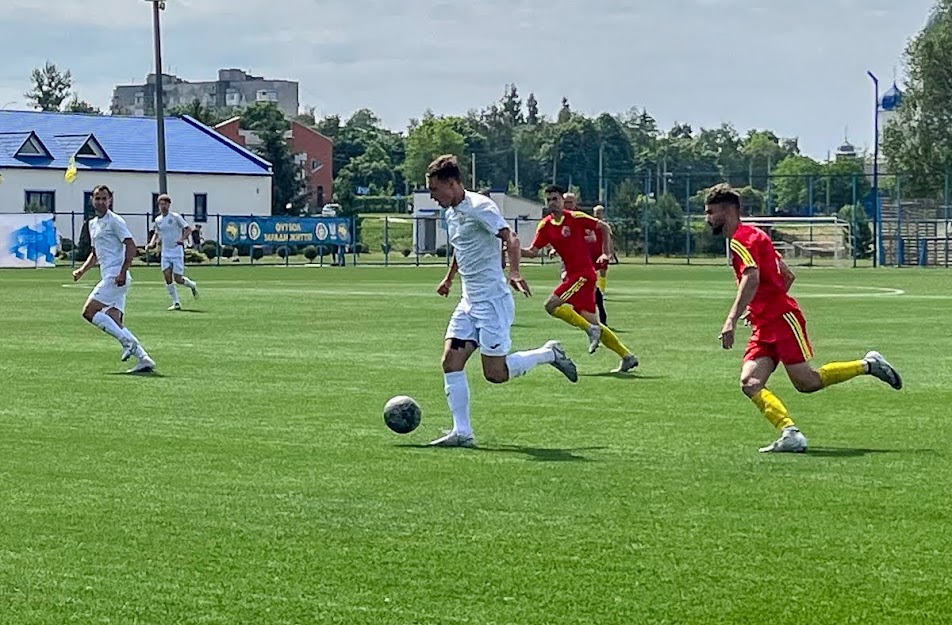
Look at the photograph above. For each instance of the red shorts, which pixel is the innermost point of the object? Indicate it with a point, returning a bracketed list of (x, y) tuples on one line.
[(578, 291), (783, 340)]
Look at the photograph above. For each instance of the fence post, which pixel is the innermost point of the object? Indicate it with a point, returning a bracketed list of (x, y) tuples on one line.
[(218, 238), (644, 212), (945, 201), (854, 233), (386, 240), (72, 236), (687, 206), (900, 244), (415, 229)]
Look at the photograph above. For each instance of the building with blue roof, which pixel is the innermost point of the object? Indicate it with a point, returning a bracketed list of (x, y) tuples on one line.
[(208, 174)]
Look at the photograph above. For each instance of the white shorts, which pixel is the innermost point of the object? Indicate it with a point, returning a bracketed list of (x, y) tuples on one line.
[(175, 262), (110, 295), (488, 323)]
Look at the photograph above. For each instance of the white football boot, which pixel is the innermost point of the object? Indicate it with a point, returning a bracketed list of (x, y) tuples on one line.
[(879, 368), (562, 361), (594, 338), (792, 440), (455, 439)]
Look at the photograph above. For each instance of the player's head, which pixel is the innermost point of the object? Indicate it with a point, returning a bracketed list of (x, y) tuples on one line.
[(569, 201), (599, 211), (554, 199), (102, 199), (164, 202), (722, 208), (444, 182)]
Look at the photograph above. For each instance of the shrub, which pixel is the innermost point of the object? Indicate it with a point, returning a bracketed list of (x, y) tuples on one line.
[(310, 253), (441, 251), (406, 252), (210, 249), (257, 253), (227, 251), (66, 245), (193, 257)]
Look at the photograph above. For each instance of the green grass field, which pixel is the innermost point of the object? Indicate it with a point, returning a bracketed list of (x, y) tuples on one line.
[(253, 480)]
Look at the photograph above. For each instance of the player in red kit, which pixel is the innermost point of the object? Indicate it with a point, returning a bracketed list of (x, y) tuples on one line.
[(573, 301), (596, 246), (779, 328)]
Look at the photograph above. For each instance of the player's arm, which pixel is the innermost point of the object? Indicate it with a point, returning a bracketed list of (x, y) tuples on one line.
[(539, 243), (186, 232), (91, 261), (447, 282), (155, 238), (608, 245), (787, 273), (746, 290), (511, 241)]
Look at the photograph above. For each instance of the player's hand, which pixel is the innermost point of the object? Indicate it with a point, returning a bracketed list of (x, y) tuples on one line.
[(180, 242), (553, 253), (445, 286), (77, 274), (519, 283), (121, 279), (603, 259), (746, 317), (727, 334)]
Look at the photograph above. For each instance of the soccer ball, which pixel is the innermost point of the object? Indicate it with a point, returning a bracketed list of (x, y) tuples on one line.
[(402, 414)]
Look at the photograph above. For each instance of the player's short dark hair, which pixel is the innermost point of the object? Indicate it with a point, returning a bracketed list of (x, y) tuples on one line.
[(102, 187), (554, 188), (722, 194), (444, 167)]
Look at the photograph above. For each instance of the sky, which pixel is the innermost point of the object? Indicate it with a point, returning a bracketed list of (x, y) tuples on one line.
[(797, 67)]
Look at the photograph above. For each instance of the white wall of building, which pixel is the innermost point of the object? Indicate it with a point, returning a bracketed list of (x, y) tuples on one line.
[(227, 195)]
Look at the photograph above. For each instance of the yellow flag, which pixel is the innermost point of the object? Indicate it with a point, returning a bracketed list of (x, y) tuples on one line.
[(71, 170)]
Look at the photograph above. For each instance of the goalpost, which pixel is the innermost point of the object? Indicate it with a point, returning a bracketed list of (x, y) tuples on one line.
[(823, 241)]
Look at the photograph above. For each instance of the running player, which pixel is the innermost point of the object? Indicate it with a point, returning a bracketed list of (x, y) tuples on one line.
[(599, 213), (112, 248), (486, 310), (779, 328), (573, 301), (172, 229)]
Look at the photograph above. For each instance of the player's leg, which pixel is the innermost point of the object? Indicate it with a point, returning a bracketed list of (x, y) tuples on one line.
[(170, 283), (178, 274), (603, 279), (458, 345), (133, 347), (499, 366), (560, 306), (600, 303), (759, 364), (583, 301), (795, 352)]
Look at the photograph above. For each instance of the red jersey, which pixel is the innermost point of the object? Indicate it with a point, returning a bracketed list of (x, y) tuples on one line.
[(567, 236), (596, 241), (752, 247)]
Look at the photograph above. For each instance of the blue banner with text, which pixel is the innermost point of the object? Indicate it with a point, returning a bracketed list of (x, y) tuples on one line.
[(286, 230)]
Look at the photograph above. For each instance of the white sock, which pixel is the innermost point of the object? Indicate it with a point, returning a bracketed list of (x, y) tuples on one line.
[(520, 363), (457, 396), (140, 351), (189, 283), (174, 293), (108, 325)]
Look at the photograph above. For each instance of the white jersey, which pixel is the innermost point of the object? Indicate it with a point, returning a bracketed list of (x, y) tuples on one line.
[(108, 234), (170, 229), (472, 227)]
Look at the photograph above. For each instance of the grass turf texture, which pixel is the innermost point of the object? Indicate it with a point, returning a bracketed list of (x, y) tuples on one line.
[(254, 480)]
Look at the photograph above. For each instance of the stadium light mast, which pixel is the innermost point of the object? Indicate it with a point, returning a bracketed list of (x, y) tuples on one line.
[(876, 210), (157, 7)]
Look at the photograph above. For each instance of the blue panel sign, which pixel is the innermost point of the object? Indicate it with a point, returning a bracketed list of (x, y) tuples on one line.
[(277, 230)]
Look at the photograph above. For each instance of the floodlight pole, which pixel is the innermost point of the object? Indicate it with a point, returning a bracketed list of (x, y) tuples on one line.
[(876, 207), (157, 6)]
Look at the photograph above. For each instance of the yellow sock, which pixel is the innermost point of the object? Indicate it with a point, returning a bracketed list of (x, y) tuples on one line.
[(612, 342), (602, 282), (772, 409), (836, 372), (567, 314)]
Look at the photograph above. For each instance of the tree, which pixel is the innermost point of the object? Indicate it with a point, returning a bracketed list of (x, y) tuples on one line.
[(207, 115), (432, 138), (565, 113), (81, 106), (862, 243), (532, 108), (288, 184), (51, 87), (919, 143), (792, 183)]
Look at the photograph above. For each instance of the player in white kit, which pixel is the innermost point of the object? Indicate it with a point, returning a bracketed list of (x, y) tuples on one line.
[(486, 310), (113, 250), (172, 229)]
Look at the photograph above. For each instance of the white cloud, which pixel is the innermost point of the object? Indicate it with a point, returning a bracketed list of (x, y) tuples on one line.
[(401, 57)]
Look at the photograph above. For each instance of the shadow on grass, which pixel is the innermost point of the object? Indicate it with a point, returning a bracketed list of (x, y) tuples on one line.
[(856, 452), (537, 454)]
